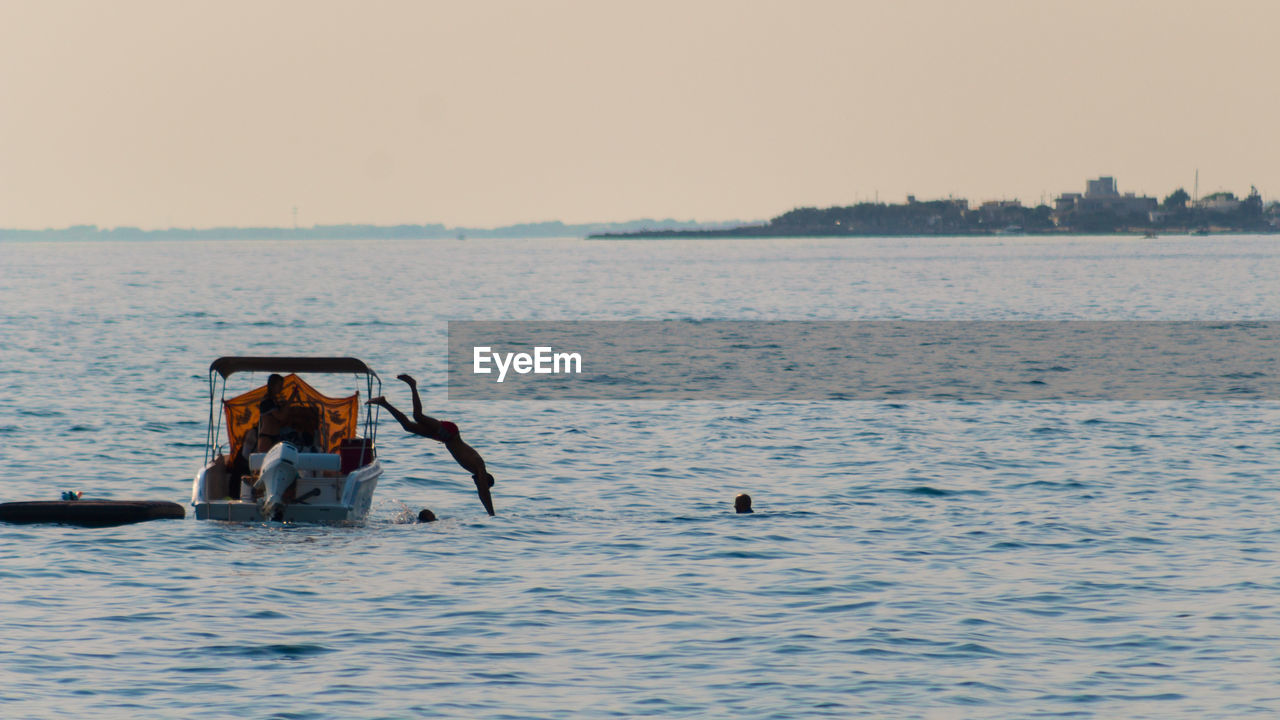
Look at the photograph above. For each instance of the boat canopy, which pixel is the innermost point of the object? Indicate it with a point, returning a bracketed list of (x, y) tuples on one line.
[(227, 366), (338, 417), (333, 419)]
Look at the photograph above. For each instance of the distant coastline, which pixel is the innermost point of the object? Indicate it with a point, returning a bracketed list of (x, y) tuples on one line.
[(553, 229), (1100, 209), (765, 231)]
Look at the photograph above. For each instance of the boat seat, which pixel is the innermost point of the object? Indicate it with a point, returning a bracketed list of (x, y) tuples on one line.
[(306, 461), (217, 479)]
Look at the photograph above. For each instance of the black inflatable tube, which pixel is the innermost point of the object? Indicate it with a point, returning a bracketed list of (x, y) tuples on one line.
[(90, 513)]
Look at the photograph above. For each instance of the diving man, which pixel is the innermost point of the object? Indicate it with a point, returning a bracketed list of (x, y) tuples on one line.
[(447, 433)]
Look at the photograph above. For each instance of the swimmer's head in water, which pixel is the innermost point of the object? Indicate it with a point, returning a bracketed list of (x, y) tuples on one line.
[(742, 503), (426, 516)]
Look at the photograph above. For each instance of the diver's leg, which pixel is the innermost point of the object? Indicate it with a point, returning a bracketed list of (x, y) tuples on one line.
[(417, 401), (429, 425), (405, 422)]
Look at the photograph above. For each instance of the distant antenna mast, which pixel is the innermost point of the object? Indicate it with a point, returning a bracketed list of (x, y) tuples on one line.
[(295, 217), (1195, 197)]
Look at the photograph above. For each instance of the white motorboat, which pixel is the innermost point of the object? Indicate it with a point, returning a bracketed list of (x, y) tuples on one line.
[(319, 469)]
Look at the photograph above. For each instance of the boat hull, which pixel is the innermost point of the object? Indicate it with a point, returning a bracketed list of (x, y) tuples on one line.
[(352, 507)]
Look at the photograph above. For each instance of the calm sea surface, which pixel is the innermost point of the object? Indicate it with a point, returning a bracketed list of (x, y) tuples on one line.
[(917, 559)]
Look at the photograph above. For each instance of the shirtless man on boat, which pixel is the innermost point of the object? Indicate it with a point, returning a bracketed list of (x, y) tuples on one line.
[(447, 433), (276, 415)]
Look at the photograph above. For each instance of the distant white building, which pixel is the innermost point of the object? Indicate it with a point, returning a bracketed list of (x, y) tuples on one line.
[(1219, 202), (1101, 195)]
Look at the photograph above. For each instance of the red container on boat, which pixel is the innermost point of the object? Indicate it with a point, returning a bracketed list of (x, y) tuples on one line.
[(355, 453)]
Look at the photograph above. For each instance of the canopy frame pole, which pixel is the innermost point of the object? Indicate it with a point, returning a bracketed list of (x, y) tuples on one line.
[(214, 433), (370, 412), (209, 433), (217, 424)]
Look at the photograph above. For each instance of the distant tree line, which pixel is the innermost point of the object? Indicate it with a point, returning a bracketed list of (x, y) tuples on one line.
[(1218, 212)]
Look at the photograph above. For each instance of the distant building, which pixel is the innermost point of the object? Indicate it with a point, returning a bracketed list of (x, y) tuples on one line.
[(993, 210), (1101, 197), (1103, 187), (1004, 215), (1066, 202), (1219, 202), (992, 205)]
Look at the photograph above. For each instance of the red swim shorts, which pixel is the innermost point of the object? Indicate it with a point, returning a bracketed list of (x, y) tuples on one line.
[(448, 431)]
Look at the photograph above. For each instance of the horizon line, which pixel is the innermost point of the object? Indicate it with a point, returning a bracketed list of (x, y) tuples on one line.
[(443, 227), (324, 226)]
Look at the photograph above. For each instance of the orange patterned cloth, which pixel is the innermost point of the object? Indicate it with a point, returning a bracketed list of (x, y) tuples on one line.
[(338, 416)]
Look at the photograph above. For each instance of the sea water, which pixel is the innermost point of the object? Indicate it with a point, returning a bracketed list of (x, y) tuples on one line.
[(911, 559)]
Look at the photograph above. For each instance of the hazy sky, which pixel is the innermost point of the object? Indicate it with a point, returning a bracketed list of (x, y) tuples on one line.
[(183, 113)]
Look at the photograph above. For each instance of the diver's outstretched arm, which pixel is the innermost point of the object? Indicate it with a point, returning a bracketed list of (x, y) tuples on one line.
[(482, 489)]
